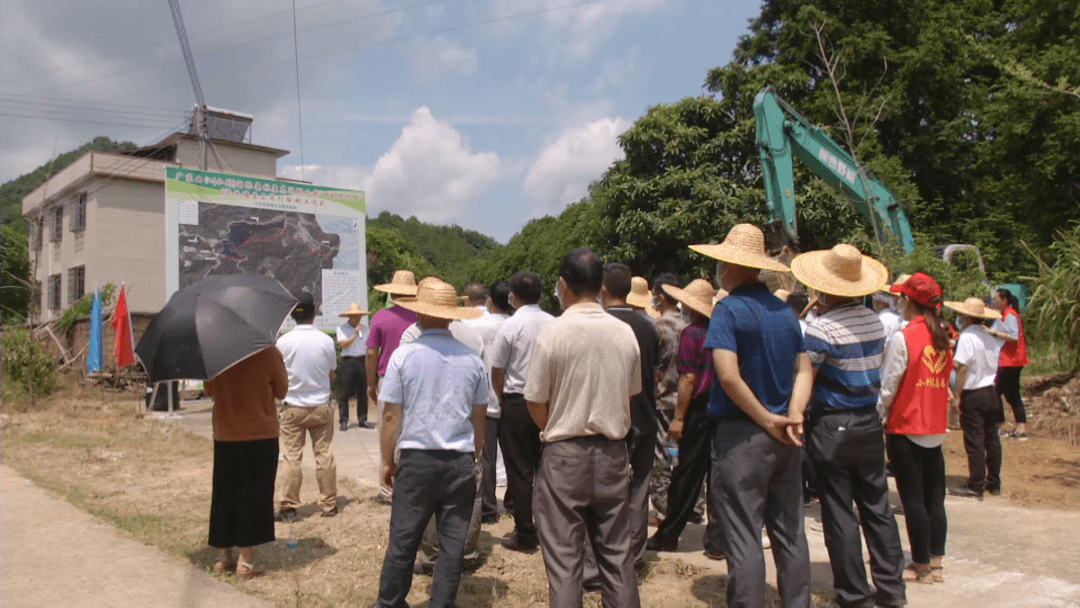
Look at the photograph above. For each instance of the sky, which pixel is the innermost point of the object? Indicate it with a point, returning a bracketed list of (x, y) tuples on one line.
[(483, 113)]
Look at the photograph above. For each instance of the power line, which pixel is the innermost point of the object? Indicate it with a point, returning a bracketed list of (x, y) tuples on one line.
[(87, 121), (189, 61), (299, 112), (22, 105)]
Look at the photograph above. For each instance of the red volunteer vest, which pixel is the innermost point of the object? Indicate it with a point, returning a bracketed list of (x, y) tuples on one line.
[(1014, 354), (921, 405)]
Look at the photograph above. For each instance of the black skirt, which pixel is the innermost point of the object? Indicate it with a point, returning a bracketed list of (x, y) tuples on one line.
[(242, 500)]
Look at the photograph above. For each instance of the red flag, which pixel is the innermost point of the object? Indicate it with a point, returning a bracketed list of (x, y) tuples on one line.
[(123, 347)]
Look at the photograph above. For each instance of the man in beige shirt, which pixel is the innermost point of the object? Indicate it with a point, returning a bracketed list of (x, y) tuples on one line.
[(584, 370)]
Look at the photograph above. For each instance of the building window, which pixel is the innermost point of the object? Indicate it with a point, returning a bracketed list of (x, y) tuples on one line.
[(58, 224), (39, 233), (54, 292), (76, 284), (78, 213)]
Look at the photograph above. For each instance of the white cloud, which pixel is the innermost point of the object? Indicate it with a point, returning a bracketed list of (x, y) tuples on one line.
[(438, 57), (618, 70), (575, 159), (575, 33)]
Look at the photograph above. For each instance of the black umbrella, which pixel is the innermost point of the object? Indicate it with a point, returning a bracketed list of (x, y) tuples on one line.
[(212, 325)]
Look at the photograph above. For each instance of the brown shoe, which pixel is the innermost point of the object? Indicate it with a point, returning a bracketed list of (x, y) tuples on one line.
[(246, 571)]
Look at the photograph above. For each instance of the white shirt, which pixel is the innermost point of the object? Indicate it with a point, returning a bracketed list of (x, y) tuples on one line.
[(514, 343), (892, 321), (357, 348), (438, 380), (979, 351), (893, 367), (488, 327), (309, 358)]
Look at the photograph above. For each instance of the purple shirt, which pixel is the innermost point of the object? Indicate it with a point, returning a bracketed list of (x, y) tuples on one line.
[(387, 325), (694, 358)]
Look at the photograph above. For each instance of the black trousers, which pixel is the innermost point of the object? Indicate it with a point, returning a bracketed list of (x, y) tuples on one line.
[(852, 483), (695, 462), (920, 480), (489, 503), (352, 382), (428, 483), (519, 438), (1008, 386), (980, 412)]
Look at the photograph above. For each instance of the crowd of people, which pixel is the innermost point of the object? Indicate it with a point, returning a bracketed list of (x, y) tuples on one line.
[(772, 399)]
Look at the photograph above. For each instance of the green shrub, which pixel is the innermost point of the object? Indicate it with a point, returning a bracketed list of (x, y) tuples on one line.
[(20, 355), (1053, 312), (84, 306)]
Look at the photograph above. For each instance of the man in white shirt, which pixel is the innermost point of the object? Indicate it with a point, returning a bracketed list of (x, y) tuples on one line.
[(310, 359), (496, 311), (976, 361), (436, 393), (519, 437), (352, 375)]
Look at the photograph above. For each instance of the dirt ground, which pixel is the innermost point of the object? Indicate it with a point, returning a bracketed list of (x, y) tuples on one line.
[(152, 480)]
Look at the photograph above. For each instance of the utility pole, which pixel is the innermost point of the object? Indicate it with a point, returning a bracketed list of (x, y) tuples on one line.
[(199, 117)]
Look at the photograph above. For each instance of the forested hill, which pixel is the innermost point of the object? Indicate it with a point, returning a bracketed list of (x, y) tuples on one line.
[(12, 193)]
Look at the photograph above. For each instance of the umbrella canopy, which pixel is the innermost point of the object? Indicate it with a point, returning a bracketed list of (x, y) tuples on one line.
[(212, 325)]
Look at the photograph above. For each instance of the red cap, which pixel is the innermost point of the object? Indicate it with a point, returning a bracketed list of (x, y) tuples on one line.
[(921, 288)]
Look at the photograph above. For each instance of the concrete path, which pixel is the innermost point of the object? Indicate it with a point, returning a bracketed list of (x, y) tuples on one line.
[(999, 555), (54, 554)]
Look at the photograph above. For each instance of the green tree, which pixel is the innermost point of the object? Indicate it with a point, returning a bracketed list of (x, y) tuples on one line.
[(14, 270)]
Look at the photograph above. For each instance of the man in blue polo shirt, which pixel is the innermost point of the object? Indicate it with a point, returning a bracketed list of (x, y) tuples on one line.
[(763, 386), (844, 437)]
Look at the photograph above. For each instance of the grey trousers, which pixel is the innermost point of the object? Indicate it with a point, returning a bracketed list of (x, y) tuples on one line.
[(428, 482), (861, 482), (760, 483), (429, 547), (581, 496)]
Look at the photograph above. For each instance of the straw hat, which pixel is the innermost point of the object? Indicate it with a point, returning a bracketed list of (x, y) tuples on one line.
[(900, 280), (354, 309), (744, 245), (974, 307), (720, 295), (436, 298), (403, 283), (697, 295), (639, 296), (840, 271), (782, 294)]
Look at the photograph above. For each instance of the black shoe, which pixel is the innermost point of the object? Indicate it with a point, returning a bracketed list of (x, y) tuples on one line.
[(994, 491), (526, 543), (344, 426), (966, 492), (422, 568), (715, 556), (490, 519), (331, 513), (285, 515), (366, 425), (655, 543)]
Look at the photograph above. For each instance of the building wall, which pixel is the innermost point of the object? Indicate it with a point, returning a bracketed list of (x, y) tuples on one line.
[(240, 159)]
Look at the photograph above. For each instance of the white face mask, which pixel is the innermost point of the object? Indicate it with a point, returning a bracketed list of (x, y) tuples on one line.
[(687, 316), (559, 293)]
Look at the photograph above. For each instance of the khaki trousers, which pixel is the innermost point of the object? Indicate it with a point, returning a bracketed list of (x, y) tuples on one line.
[(296, 424)]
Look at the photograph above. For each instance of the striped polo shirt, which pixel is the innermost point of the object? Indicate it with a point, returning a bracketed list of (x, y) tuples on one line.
[(846, 345)]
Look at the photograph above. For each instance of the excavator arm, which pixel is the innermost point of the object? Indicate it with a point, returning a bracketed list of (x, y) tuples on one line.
[(781, 134)]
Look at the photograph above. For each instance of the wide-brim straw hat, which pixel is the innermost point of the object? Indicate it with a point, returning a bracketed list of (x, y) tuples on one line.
[(403, 283), (744, 245), (438, 299), (974, 307), (841, 271), (354, 309), (782, 294), (720, 295), (697, 295), (639, 296), (900, 280)]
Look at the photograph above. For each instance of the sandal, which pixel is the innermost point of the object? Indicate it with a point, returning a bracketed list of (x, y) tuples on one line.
[(222, 565), (936, 569), (918, 573), (246, 571)]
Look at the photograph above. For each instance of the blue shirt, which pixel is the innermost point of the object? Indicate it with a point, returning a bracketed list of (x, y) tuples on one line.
[(765, 334), (846, 345), (438, 381)]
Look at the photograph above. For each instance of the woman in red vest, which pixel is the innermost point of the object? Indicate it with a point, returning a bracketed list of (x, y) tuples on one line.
[(1013, 357), (915, 403)]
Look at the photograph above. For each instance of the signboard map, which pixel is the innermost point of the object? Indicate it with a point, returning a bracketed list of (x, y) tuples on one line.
[(309, 238)]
